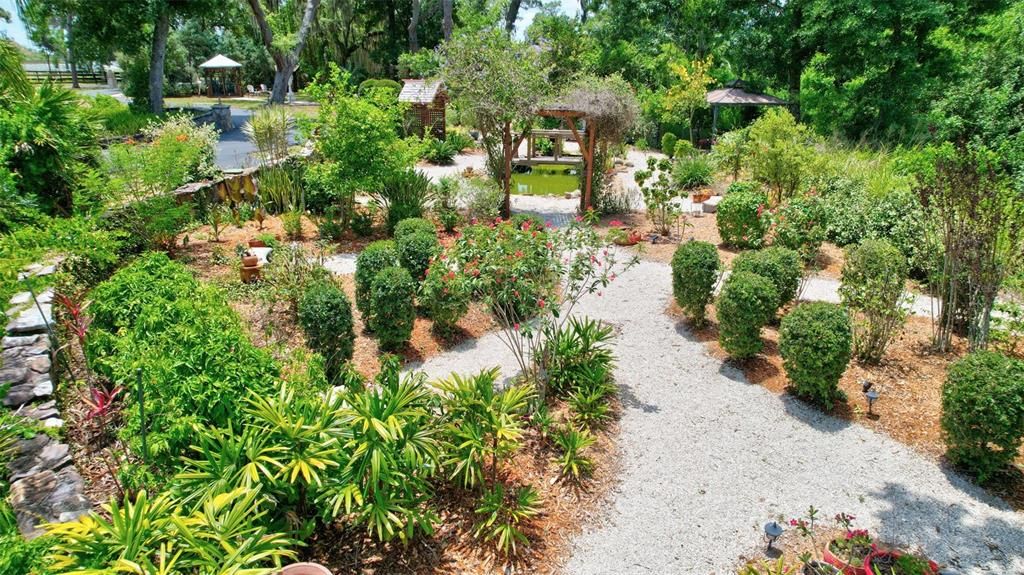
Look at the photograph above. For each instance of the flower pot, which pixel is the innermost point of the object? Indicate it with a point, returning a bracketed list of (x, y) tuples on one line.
[(305, 569), (257, 244), (250, 261), (701, 198), (845, 567), (819, 568), (884, 560)]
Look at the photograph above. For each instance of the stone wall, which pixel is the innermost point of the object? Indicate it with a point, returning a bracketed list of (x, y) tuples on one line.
[(45, 486)]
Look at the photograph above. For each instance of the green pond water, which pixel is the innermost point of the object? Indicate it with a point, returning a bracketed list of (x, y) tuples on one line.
[(548, 180)]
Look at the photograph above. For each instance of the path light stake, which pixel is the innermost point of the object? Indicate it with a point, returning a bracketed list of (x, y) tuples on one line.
[(142, 413), (870, 393), (772, 531)]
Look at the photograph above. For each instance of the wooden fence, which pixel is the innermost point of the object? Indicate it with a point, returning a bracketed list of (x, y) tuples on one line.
[(64, 76)]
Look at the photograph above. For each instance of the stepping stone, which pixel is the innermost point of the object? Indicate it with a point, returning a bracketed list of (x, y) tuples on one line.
[(48, 497), (711, 204)]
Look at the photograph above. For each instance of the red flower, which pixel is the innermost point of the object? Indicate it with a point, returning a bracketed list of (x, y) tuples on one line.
[(540, 303), (526, 225), (615, 223), (519, 253)]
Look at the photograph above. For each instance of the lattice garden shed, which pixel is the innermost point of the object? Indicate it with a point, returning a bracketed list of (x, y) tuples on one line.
[(428, 100)]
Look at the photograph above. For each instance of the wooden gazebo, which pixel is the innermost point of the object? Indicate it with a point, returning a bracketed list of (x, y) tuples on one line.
[(229, 72), (734, 94), (428, 101)]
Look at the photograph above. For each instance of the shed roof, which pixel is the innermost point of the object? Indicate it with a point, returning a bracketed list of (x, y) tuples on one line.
[(220, 61), (734, 94), (420, 91)]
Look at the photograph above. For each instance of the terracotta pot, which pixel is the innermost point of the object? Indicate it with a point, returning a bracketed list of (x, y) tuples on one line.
[(250, 261), (257, 244), (841, 564), (305, 569), (883, 555), (250, 274), (701, 198)]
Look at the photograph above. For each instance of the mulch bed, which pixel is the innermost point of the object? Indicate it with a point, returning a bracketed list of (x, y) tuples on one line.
[(909, 377)]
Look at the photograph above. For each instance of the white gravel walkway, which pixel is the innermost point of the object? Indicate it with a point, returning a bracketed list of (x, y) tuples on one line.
[(708, 458)]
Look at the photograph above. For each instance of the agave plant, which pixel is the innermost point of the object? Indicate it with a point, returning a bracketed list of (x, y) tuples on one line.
[(481, 423), (502, 514)]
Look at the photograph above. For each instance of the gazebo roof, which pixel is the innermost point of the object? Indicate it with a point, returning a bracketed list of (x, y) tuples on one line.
[(420, 91), (733, 94), (218, 62)]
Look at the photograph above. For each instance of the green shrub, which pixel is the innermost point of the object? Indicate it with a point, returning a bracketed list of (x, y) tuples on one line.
[(374, 258), (692, 171), (743, 218), (151, 280), (780, 153), (983, 412), (459, 141), (393, 310), (684, 148), (391, 86), (781, 266), (449, 218), (694, 274), (668, 143), (873, 284), (325, 315), (800, 226), (445, 295), (439, 152), (415, 252), (814, 341), (745, 305), (578, 355), (362, 222), (403, 195), (411, 226)]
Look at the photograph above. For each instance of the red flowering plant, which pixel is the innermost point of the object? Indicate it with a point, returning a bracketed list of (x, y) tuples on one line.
[(532, 279), (806, 527), (854, 545), (445, 292)]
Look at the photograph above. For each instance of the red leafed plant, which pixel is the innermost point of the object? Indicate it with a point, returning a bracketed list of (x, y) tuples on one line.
[(101, 401), (75, 320)]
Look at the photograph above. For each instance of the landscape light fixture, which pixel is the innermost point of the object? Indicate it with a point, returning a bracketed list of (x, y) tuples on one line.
[(870, 393), (772, 531)]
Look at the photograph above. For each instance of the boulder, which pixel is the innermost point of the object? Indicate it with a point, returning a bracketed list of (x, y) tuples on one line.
[(48, 497), (41, 453)]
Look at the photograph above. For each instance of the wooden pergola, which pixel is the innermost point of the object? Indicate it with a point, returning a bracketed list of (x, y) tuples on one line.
[(734, 94), (586, 141)]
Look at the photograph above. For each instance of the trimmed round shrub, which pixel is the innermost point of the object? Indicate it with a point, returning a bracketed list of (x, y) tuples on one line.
[(325, 315), (374, 258), (746, 303), (814, 341), (780, 265), (874, 278), (983, 412), (393, 310), (410, 226), (415, 252), (800, 226), (444, 296), (668, 143), (694, 273), (743, 218)]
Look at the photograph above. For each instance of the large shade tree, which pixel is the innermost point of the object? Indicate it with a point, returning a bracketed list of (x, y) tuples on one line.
[(501, 83), (285, 46)]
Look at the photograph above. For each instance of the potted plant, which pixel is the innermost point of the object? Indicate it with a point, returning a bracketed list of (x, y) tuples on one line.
[(305, 569), (880, 562), (813, 565), (619, 235), (700, 197), (849, 551), (257, 243)]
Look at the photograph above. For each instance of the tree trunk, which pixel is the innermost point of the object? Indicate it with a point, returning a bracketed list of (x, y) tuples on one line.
[(285, 63), (156, 62), (583, 11), (414, 22), (506, 178), (511, 15), (71, 54), (447, 23)]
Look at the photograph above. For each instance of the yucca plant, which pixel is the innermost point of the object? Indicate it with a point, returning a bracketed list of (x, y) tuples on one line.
[(573, 442), (502, 514), (481, 423), (279, 191), (268, 130), (405, 195)]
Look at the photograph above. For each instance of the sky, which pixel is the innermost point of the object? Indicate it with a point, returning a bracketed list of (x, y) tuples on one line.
[(16, 30)]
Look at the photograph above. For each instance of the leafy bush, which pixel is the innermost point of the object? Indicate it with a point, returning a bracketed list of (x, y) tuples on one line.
[(449, 218), (572, 442), (445, 295), (745, 305), (780, 153), (668, 143), (983, 412), (743, 218), (692, 171), (684, 148), (411, 226), (814, 341), (415, 251), (322, 190), (151, 280), (481, 196), (374, 258), (290, 272), (363, 221), (403, 195), (392, 306), (459, 141), (694, 274), (291, 222), (439, 152), (325, 315), (388, 84), (781, 266), (117, 119), (800, 226), (502, 512), (730, 151), (873, 284), (658, 193)]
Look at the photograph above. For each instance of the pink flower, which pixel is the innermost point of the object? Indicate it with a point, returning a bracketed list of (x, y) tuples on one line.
[(526, 225), (516, 327), (579, 219), (519, 253), (615, 223)]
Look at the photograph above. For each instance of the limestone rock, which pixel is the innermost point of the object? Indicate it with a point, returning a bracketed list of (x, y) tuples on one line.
[(48, 497), (41, 453), (31, 320)]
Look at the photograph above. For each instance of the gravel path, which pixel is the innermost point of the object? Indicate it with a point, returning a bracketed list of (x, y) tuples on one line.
[(708, 458)]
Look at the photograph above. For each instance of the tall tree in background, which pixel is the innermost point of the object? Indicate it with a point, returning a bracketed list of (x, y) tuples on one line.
[(688, 94), (286, 57)]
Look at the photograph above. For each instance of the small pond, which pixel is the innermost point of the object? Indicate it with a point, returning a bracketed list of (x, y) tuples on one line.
[(546, 180)]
